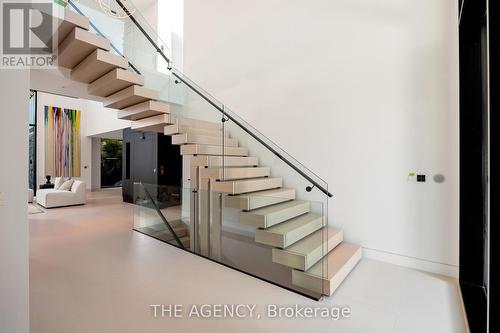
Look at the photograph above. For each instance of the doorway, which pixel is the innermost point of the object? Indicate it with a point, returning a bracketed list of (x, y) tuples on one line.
[(111, 163)]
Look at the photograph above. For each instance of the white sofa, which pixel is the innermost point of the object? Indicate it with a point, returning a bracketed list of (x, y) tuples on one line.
[(51, 198)]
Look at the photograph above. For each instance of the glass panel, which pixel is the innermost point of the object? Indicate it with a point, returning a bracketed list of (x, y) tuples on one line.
[(157, 213)]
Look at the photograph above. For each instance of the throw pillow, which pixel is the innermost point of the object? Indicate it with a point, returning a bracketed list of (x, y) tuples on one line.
[(66, 186), (58, 182)]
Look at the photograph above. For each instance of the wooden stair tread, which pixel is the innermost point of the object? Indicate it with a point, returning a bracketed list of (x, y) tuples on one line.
[(327, 274), (247, 185), (97, 64), (78, 45), (152, 124), (180, 129), (259, 199), (198, 149), (268, 216), (114, 81), (185, 138), (143, 110), (286, 233), (234, 173), (198, 123), (228, 161), (131, 96), (309, 250)]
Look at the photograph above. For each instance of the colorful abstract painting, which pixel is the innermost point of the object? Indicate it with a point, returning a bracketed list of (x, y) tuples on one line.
[(62, 142)]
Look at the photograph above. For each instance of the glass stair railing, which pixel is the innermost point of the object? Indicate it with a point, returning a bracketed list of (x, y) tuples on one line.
[(244, 202)]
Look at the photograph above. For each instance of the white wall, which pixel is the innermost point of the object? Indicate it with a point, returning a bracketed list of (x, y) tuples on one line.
[(14, 271), (95, 120), (360, 91)]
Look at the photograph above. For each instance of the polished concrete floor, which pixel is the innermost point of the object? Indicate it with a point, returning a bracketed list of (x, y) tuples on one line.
[(89, 272)]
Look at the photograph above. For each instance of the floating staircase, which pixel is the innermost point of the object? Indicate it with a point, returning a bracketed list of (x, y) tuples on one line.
[(299, 236)]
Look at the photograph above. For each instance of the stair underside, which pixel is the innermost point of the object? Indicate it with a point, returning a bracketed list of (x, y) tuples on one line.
[(116, 80), (306, 252), (143, 110), (184, 138), (326, 275), (179, 129), (268, 216), (152, 124), (227, 161), (234, 173), (197, 149), (245, 186), (131, 96), (96, 65), (259, 199), (286, 233)]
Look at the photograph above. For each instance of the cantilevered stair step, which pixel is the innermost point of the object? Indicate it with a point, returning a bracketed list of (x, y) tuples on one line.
[(66, 23), (197, 149), (234, 173), (285, 234), (327, 275), (198, 123), (97, 64), (309, 250), (259, 199), (227, 161), (78, 45), (179, 129), (152, 124), (181, 139), (144, 110), (268, 216), (246, 185), (131, 96), (116, 80)]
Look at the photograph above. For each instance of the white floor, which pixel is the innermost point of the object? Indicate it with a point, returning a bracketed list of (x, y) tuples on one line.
[(89, 272)]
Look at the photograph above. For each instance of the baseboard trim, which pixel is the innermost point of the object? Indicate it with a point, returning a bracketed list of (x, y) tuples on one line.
[(411, 262)]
